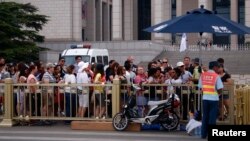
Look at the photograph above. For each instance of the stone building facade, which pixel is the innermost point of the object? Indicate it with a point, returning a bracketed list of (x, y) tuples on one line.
[(106, 20)]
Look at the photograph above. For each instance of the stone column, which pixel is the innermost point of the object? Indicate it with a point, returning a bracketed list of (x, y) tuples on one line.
[(135, 19), (160, 11), (247, 18), (106, 19), (77, 20), (128, 19), (117, 20), (98, 8), (91, 21), (234, 17)]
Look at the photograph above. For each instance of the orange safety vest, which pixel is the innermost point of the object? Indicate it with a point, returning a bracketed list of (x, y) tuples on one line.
[(208, 82)]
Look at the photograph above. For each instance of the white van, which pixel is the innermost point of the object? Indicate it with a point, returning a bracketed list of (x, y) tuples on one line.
[(88, 55)]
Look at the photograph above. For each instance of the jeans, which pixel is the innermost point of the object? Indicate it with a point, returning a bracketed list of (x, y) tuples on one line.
[(210, 110), (70, 104)]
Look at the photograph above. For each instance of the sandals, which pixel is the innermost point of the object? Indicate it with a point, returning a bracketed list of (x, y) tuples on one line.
[(223, 118)]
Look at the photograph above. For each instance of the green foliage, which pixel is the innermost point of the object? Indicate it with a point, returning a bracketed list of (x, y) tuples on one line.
[(19, 31)]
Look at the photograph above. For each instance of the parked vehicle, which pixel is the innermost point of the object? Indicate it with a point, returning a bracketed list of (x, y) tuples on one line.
[(87, 53), (161, 112)]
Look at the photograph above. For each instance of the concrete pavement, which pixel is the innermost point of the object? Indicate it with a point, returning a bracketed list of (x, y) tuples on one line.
[(65, 133)]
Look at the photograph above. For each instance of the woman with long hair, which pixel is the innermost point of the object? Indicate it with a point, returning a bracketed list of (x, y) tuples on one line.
[(99, 78)]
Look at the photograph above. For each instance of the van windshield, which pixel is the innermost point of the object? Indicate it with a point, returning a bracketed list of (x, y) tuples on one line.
[(70, 60)]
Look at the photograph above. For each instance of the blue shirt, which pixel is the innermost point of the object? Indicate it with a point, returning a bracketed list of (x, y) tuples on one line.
[(218, 85)]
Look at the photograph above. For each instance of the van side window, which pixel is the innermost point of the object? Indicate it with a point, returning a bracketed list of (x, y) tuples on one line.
[(92, 59), (99, 59), (105, 60)]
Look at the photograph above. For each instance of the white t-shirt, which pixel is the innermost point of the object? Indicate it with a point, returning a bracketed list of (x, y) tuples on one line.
[(171, 82), (82, 78), (70, 79)]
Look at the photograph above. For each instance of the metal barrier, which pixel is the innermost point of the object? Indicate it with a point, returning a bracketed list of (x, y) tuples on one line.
[(43, 104), (242, 107)]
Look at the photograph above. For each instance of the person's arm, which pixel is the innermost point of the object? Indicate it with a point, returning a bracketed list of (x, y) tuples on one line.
[(219, 86), (111, 77)]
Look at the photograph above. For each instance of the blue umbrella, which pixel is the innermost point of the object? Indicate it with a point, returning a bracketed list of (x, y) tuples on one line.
[(198, 21)]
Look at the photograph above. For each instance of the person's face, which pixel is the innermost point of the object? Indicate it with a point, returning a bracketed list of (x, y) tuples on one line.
[(158, 73), (35, 70), (62, 62), (140, 70), (153, 65), (216, 69), (167, 76), (124, 70), (172, 73), (165, 62), (186, 61), (79, 59), (220, 70), (57, 69), (2, 61), (182, 68)]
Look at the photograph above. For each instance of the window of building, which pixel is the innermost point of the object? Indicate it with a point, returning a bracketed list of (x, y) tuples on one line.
[(223, 9), (173, 15), (241, 19)]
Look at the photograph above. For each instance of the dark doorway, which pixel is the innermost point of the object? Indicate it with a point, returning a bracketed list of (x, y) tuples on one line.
[(144, 19), (223, 9)]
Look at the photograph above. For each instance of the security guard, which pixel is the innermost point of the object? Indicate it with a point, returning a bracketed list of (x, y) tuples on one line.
[(211, 86)]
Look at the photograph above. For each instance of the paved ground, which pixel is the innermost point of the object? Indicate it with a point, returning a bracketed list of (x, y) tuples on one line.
[(62, 132)]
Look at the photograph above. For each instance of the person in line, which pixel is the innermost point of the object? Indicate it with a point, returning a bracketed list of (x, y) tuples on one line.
[(70, 94), (211, 85), (83, 91), (99, 78), (224, 98)]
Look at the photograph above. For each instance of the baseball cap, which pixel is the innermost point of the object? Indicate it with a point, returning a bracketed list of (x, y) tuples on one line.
[(179, 64)]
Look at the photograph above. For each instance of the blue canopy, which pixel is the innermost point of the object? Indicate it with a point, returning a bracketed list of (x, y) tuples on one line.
[(200, 20)]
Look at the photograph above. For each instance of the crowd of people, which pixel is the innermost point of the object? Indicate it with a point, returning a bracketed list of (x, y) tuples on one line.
[(186, 71)]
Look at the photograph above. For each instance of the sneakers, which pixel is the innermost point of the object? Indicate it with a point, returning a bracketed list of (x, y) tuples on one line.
[(27, 118), (104, 117)]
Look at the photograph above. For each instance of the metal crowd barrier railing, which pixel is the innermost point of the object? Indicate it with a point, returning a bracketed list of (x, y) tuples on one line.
[(242, 107), (20, 104)]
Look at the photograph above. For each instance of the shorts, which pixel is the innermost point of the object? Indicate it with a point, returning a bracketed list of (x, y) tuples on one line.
[(83, 100), (225, 95), (100, 99)]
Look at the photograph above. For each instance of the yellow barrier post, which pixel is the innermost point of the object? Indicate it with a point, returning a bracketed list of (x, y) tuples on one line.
[(116, 96), (231, 89), (8, 105)]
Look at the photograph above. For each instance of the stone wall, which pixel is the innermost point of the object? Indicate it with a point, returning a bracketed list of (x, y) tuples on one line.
[(241, 79)]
